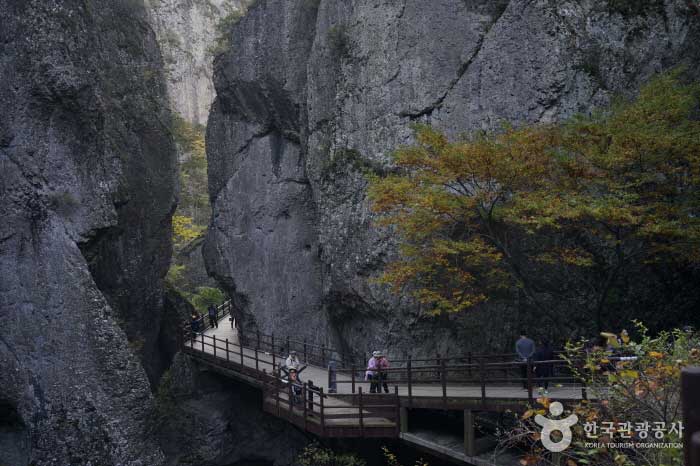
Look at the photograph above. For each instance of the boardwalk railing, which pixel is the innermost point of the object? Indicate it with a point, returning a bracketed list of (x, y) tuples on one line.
[(453, 377), (304, 405), (311, 409)]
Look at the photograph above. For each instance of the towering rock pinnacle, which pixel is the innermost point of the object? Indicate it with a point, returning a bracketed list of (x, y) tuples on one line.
[(313, 93), (87, 179), (187, 32)]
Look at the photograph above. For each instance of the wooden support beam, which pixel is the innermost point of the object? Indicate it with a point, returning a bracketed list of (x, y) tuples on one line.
[(469, 438), (403, 421), (690, 388)]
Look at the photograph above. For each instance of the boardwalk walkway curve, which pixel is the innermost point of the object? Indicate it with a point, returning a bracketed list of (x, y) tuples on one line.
[(342, 407)]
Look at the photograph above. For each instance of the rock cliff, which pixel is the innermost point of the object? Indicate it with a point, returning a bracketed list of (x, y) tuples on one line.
[(312, 93), (187, 32), (87, 178)]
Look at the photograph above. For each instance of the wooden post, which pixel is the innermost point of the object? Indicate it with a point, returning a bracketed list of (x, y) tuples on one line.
[(352, 378), (690, 388), (214, 345), (277, 395), (203, 343), (443, 377), (273, 351), (304, 395), (291, 398), (362, 421), (694, 449), (469, 440), (403, 419), (409, 377), (398, 411), (529, 380), (482, 379), (256, 360), (323, 355), (323, 413), (257, 344), (227, 356), (306, 358)]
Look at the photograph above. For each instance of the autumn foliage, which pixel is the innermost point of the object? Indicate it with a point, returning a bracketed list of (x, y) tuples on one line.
[(548, 213)]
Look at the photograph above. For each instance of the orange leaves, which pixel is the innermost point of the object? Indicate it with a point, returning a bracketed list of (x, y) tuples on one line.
[(471, 214)]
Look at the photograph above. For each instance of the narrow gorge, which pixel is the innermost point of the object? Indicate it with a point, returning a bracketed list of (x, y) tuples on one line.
[(160, 156)]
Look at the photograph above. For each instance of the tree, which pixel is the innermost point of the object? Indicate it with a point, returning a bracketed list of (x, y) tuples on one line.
[(554, 215), (638, 395)]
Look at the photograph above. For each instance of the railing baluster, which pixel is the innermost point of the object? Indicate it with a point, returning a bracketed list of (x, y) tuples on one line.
[(203, 343), (482, 379), (362, 422), (273, 351), (529, 380), (256, 360), (227, 356), (289, 348), (323, 413), (398, 411), (352, 378), (306, 359), (214, 345), (257, 344), (304, 396), (443, 377), (323, 355), (409, 377)]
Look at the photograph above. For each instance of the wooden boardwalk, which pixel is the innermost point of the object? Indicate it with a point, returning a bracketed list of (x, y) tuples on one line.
[(343, 408)]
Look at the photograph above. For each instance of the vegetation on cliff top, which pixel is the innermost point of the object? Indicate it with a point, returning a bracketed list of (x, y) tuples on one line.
[(555, 215)]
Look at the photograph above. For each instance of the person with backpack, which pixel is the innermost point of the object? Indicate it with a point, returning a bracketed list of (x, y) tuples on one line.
[(212, 316)]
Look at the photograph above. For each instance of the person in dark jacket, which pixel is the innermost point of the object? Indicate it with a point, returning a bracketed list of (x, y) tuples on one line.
[(525, 349), (212, 316), (194, 322), (543, 368)]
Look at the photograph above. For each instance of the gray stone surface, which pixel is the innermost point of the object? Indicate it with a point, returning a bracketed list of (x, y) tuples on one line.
[(215, 421), (314, 92), (87, 179), (187, 33)]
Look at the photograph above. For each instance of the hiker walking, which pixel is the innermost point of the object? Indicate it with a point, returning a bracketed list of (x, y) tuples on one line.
[(525, 348), (212, 316), (376, 372), (194, 322), (543, 366)]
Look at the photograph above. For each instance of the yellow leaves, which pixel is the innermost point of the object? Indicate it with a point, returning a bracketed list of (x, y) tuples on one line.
[(656, 355), (184, 230), (544, 401)]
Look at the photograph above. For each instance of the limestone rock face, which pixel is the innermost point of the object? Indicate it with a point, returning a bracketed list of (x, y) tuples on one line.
[(217, 421), (187, 32), (312, 93), (87, 173)]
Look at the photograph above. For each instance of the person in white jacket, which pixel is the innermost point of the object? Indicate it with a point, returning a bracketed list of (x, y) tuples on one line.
[(292, 361)]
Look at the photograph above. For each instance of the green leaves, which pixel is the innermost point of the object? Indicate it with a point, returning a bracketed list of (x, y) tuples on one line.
[(531, 206)]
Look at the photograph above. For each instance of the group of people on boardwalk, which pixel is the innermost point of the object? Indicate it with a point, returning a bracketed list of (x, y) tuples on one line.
[(197, 320), (540, 355), (376, 372)]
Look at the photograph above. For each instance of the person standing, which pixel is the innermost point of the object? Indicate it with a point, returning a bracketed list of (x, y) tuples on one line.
[(292, 360), (376, 373), (194, 323), (525, 348), (543, 366), (212, 316)]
